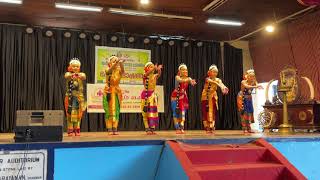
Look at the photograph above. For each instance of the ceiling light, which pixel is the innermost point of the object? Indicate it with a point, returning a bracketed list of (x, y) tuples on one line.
[(131, 39), (67, 34), (171, 43), (199, 44), (225, 22), (49, 33), (214, 5), (29, 30), (78, 7), (11, 1), (96, 37), (170, 16), (146, 41), (269, 28), (145, 13), (144, 2), (114, 38), (159, 41), (129, 12), (82, 35)]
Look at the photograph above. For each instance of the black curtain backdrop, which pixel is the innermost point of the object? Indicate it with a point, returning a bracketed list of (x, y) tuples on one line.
[(33, 65), (233, 74)]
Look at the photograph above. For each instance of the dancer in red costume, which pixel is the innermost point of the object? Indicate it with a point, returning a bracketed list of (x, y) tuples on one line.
[(179, 98)]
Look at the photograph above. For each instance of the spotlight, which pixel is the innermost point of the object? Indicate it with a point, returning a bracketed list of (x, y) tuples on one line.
[(114, 38), (67, 34), (159, 41), (82, 35), (49, 33), (146, 40), (199, 44), (269, 28), (144, 2), (185, 44), (171, 43), (96, 37), (131, 39), (29, 30)]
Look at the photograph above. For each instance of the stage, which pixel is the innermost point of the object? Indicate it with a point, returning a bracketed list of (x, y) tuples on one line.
[(135, 154), (7, 138)]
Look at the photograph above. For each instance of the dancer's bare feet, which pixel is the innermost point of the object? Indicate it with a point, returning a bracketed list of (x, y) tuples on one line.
[(70, 132), (77, 132)]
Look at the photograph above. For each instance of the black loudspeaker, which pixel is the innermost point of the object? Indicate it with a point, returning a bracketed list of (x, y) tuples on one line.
[(39, 126), (38, 133)]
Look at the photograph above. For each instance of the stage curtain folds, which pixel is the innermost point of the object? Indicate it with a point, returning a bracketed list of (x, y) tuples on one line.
[(32, 68), (233, 73)]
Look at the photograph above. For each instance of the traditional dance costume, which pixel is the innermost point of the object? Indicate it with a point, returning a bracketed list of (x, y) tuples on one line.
[(179, 104), (74, 99), (209, 102), (149, 99), (244, 101), (179, 98), (112, 97), (245, 108)]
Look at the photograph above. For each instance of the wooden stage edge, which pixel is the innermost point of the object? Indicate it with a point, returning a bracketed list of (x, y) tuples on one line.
[(7, 138)]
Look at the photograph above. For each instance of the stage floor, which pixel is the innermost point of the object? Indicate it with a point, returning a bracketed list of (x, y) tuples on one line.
[(7, 138)]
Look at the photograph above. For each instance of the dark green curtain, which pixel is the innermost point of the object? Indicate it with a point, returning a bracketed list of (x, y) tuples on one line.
[(233, 73), (32, 68)]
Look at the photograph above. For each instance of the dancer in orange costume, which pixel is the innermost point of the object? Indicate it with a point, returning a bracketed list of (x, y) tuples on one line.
[(209, 98), (112, 97)]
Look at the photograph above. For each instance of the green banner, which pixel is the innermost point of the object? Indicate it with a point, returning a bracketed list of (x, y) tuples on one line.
[(135, 59)]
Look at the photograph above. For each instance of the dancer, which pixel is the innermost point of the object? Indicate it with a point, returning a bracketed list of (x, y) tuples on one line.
[(244, 100), (149, 99), (75, 104), (112, 96), (179, 98), (209, 98)]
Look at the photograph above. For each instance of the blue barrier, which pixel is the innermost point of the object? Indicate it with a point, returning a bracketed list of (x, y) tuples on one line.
[(151, 159), (114, 163), (304, 155), (169, 166)]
